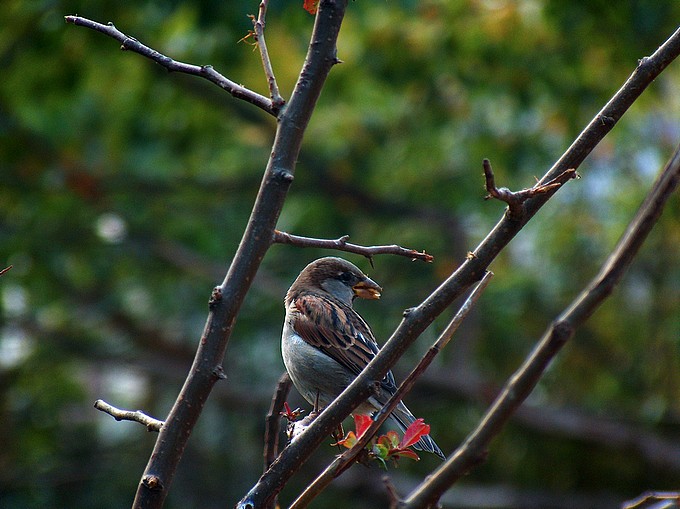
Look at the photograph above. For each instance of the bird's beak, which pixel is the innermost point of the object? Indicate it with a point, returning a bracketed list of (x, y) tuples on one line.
[(367, 289)]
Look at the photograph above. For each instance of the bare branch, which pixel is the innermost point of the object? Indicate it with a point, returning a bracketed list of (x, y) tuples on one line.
[(129, 415), (609, 432), (516, 199), (474, 450), (345, 460), (471, 270), (227, 299), (203, 71), (341, 244), (653, 496), (5, 270), (258, 25)]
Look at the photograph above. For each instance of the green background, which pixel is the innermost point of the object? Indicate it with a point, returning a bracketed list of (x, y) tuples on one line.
[(125, 190)]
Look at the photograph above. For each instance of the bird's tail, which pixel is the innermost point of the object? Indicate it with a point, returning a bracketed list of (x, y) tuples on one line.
[(403, 417)]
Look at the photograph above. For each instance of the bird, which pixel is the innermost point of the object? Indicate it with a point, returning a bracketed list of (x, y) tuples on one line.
[(325, 343)]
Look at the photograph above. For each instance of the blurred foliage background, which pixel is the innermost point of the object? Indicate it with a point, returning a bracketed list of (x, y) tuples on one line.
[(125, 191)]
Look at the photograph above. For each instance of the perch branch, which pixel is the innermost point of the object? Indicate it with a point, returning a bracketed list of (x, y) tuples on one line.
[(3, 271), (203, 71), (516, 199), (472, 269), (129, 415), (474, 450), (346, 459), (341, 244)]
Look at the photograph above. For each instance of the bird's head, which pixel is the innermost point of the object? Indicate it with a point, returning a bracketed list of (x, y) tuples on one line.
[(339, 278)]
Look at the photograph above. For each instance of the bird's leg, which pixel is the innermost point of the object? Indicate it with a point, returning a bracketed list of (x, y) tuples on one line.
[(338, 435)]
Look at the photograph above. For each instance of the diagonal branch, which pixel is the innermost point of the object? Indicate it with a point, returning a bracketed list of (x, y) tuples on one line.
[(470, 271), (346, 459), (203, 71), (474, 449), (341, 244), (227, 298)]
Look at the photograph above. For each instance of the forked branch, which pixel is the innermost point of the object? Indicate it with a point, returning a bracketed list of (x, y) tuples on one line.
[(516, 199)]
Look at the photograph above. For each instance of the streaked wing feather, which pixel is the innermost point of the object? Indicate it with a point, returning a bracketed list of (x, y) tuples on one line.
[(338, 331)]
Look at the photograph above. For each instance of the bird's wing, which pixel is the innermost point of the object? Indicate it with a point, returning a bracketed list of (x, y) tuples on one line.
[(337, 330)]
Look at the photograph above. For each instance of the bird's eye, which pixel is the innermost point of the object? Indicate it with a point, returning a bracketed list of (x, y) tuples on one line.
[(345, 277)]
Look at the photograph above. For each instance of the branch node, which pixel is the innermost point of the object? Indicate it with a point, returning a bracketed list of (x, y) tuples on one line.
[(606, 120), (516, 199), (215, 297), (562, 330), (153, 482), (219, 373), (284, 174)]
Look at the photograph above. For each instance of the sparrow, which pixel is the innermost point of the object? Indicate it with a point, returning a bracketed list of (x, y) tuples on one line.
[(326, 344)]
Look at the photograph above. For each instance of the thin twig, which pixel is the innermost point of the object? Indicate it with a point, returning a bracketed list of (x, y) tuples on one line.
[(3, 271), (203, 71), (271, 431), (473, 451), (129, 415), (341, 244), (346, 459), (516, 199), (258, 25)]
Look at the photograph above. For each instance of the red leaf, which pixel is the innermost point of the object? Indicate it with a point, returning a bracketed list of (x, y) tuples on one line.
[(417, 429), (361, 423), (406, 453), (311, 6), (348, 441)]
